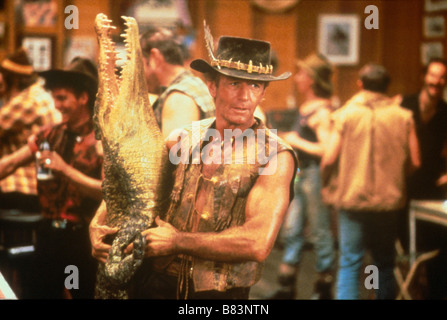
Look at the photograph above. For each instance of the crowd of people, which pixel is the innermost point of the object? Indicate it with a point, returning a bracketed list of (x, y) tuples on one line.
[(361, 162)]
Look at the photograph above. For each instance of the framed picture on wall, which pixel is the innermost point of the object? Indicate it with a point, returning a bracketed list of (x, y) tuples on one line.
[(39, 51), (431, 50), (3, 35), (435, 5), (339, 38), (36, 13), (82, 46), (434, 27)]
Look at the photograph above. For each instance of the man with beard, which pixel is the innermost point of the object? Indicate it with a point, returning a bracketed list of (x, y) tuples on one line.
[(430, 118)]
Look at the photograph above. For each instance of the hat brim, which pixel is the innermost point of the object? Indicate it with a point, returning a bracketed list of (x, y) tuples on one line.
[(63, 76), (204, 67)]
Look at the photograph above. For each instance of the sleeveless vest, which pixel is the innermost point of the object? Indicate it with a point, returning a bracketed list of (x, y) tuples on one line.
[(192, 86), (224, 206)]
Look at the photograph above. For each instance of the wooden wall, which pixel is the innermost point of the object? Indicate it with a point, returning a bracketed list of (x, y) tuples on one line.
[(294, 35)]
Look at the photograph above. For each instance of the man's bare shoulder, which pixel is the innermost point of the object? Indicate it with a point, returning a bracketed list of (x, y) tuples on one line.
[(280, 167), (178, 100)]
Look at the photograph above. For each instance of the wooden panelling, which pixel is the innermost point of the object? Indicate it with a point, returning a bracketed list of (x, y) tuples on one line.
[(87, 13), (293, 35), (402, 38), (280, 33)]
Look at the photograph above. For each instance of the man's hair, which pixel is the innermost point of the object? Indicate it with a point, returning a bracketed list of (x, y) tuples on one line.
[(434, 60), (212, 76), (76, 87), (321, 91), (165, 41), (375, 78)]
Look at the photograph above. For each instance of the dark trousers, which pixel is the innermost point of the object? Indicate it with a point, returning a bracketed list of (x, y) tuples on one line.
[(57, 248), (19, 201)]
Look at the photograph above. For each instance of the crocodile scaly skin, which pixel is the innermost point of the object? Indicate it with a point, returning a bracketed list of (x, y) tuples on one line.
[(135, 157)]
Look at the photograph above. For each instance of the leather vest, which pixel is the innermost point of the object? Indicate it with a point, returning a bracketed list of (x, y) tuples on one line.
[(224, 206)]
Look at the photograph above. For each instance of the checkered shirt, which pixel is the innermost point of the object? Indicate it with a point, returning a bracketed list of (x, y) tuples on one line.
[(24, 115)]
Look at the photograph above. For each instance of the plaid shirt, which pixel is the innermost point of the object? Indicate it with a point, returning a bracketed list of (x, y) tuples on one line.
[(24, 115)]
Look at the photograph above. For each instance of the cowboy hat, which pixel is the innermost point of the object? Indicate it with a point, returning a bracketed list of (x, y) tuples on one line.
[(17, 62), (319, 68), (241, 58), (79, 71)]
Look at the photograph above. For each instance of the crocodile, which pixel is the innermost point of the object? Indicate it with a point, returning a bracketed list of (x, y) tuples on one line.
[(136, 162)]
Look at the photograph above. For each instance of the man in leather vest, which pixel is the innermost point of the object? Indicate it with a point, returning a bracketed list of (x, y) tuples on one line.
[(229, 198)]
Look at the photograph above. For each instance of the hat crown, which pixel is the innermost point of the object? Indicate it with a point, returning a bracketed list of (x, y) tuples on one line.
[(243, 50), (20, 57), (83, 66), (319, 65), (18, 62), (238, 57)]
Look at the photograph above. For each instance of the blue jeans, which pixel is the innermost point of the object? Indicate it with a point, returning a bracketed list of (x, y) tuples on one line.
[(359, 231), (308, 209)]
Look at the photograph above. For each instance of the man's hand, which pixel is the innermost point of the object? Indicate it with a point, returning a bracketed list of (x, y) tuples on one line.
[(161, 240), (52, 160), (100, 250)]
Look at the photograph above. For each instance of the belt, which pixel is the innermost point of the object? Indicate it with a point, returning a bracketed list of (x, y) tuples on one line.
[(174, 268)]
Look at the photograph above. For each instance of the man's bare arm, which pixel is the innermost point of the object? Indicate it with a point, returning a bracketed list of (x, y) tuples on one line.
[(415, 158), (266, 206), (88, 186), (179, 110), (322, 129), (10, 163)]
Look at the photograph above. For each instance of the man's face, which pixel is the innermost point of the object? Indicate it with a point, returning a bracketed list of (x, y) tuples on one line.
[(236, 99), (435, 80), (72, 109), (303, 81), (152, 82)]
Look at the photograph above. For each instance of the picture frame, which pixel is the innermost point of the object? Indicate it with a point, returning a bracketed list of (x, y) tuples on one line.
[(80, 46), (39, 13), (431, 50), (339, 37), (434, 26), (39, 51), (435, 5), (3, 35)]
